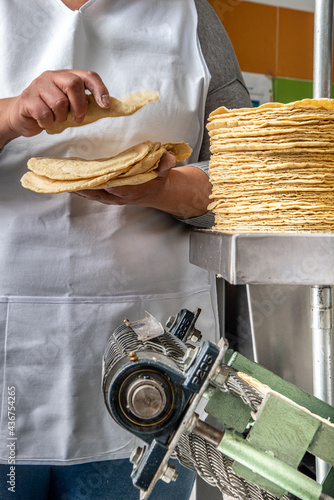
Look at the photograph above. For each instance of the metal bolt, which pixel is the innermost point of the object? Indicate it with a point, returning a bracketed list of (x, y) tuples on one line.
[(169, 473), (189, 356), (136, 455), (220, 376), (195, 336), (133, 356)]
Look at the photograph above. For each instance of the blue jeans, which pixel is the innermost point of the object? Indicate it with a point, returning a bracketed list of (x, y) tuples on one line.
[(108, 480)]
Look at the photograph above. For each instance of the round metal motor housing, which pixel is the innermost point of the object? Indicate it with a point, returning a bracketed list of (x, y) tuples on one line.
[(142, 381), (144, 396)]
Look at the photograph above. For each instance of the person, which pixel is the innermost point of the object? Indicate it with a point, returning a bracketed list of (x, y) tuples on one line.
[(73, 266)]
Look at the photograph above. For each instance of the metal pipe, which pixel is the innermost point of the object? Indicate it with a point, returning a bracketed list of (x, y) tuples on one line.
[(323, 49), (321, 324), (321, 297), (267, 466), (322, 339), (207, 431)]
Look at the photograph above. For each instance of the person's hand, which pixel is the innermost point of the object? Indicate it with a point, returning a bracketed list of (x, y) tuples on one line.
[(50, 97), (181, 191), (142, 194)]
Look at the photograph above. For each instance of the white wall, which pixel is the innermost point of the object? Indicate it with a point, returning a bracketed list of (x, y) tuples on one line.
[(307, 5)]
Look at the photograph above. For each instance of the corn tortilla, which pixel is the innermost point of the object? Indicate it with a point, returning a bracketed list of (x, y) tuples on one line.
[(133, 166), (128, 105), (75, 168)]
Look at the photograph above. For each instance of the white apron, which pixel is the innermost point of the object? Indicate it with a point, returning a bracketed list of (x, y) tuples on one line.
[(71, 270)]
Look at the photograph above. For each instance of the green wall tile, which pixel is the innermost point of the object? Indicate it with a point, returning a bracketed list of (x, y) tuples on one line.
[(290, 90)]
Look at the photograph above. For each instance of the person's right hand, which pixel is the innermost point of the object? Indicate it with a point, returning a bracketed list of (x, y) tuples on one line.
[(49, 98)]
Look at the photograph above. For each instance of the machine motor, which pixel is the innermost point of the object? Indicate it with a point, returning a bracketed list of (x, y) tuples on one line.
[(153, 382)]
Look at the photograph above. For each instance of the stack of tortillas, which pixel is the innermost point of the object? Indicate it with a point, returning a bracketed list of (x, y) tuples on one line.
[(272, 167), (135, 165)]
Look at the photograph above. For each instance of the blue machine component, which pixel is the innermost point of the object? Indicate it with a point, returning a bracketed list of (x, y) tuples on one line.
[(198, 371), (153, 383), (148, 390), (148, 463), (184, 324), (143, 379)]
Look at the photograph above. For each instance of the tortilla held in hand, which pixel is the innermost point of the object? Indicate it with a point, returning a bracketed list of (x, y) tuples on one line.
[(128, 105), (135, 165)]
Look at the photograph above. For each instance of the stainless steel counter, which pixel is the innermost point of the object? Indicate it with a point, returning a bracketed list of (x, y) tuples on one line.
[(291, 324), (265, 258)]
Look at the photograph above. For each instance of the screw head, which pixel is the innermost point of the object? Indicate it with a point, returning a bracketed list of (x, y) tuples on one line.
[(195, 336), (169, 474)]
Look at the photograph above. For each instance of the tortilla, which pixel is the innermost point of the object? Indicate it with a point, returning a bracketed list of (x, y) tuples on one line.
[(126, 106), (41, 184), (76, 168), (133, 166), (180, 150)]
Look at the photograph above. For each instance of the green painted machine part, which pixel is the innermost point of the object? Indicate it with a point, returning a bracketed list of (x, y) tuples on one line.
[(269, 444), (291, 391), (276, 476)]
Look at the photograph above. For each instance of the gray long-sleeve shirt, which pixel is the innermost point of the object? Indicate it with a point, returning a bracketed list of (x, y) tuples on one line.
[(227, 87)]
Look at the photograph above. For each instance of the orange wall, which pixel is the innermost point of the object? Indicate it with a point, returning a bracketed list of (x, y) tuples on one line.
[(269, 40)]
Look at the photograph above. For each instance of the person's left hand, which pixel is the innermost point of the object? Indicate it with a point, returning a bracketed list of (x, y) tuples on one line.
[(182, 191), (141, 194)]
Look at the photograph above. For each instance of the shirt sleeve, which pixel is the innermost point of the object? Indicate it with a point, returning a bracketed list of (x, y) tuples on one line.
[(227, 87)]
